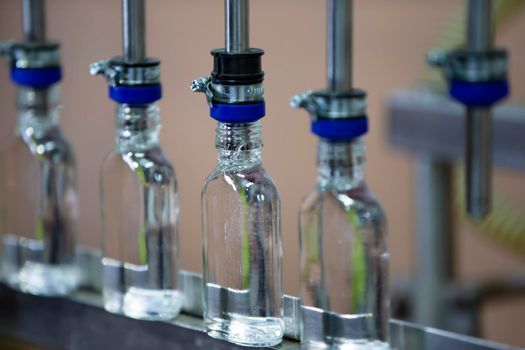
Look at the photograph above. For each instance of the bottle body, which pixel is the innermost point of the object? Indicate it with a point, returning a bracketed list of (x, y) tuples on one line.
[(140, 221), (242, 248), (344, 255), (39, 204)]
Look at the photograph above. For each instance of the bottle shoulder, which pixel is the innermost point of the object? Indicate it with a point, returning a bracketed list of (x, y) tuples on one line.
[(51, 145), (252, 181), (358, 200), (149, 166)]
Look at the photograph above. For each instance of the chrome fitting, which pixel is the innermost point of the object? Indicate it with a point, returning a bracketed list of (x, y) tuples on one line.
[(31, 55), (471, 66), (331, 105), (120, 73), (227, 94)]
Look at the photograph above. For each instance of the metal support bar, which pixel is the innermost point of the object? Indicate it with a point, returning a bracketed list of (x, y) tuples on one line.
[(81, 323), (237, 25), (479, 119), (434, 240), (440, 134), (133, 30), (339, 45), (34, 20)]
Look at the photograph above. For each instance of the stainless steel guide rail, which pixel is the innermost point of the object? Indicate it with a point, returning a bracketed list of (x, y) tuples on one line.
[(80, 322)]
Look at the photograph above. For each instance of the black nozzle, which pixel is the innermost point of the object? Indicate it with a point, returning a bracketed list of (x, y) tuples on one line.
[(242, 68)]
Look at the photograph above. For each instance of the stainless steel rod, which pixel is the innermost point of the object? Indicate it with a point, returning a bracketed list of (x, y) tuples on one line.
[(480, 38), (339, 45), (480, 33), (237, 25), (133, 30), (34, 20), (479, 162)]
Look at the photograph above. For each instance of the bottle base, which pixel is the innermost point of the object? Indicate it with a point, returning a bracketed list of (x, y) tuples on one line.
[(144, 304), (247, 331), (44, 279), (348, 344)]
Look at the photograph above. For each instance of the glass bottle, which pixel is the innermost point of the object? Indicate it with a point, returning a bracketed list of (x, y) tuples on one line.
[(242, 248), (343, 253), (39, 200), (140, 212)]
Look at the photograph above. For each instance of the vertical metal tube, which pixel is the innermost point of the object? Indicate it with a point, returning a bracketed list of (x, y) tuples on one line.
[(433, 240), (133, 30), (480, 33), (480, 37), (237, 25), (339, 49), (34, 20), (479, 161)]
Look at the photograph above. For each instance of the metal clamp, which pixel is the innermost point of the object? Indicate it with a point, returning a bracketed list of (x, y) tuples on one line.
[(31, 55), (471, 66), (330, 105), (227, 94), (120, 73)]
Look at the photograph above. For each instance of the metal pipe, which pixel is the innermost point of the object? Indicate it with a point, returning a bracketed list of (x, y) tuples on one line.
[(133, 30), (479, 162), (339, 45), (480, 37), (433, 239), (480, 33), (237, 25), (34, 20)]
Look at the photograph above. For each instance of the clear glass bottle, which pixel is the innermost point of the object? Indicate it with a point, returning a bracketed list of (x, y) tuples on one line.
[(344, 255), (242, 248), (140, 212), (39, 200)]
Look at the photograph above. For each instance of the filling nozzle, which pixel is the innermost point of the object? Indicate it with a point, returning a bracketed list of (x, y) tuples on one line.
[(133, 78), (477, 76), (339, 111), (234, 90), (479, 119), (34, 61)]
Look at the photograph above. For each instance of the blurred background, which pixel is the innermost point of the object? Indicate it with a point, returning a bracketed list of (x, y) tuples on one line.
[(391, 40)]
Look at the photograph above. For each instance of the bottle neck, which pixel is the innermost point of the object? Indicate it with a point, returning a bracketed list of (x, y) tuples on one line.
[(238, 145), (340, 165), (138, 127), (38, 110)]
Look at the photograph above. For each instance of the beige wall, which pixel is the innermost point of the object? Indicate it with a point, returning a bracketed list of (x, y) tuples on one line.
[(391, 40)]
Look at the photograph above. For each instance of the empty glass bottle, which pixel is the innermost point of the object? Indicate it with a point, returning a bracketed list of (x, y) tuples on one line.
[(242, 242), (140, 216), (344, 255), (39, 201)]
